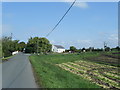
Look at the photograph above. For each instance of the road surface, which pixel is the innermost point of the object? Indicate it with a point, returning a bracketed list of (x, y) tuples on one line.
[(17, 73)]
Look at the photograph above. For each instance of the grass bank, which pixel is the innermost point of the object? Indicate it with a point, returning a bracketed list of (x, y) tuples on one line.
[(6, 58), (49, 75)]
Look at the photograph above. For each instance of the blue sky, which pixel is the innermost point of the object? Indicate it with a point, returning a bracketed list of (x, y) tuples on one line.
[(86, 25)]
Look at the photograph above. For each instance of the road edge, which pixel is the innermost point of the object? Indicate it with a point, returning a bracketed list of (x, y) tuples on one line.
[(35, 74)]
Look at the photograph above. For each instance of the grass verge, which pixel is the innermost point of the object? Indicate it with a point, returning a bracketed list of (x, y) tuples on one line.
[(6, 58)]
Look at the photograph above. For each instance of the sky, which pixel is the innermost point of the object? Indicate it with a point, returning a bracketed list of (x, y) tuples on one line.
[(87, 24)]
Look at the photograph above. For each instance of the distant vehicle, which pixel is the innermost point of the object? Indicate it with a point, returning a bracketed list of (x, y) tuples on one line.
[(15, 52)]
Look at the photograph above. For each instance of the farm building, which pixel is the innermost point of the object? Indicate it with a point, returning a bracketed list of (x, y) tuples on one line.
[(58, 48)]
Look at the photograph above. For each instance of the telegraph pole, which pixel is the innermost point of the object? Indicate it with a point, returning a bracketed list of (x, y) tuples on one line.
[(37, 47), (105, 45), (11, 36)]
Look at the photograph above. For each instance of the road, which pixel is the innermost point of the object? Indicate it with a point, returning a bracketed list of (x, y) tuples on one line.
[(0, 74), (17, 73)]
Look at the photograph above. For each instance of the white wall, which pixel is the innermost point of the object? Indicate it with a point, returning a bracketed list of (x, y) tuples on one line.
[(61, 50), (55, 49)]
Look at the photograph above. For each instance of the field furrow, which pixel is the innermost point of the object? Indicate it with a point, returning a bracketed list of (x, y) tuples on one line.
[(100, 74)]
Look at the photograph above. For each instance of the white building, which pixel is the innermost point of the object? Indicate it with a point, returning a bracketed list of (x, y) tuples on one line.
[(58, 48), (15, 52)]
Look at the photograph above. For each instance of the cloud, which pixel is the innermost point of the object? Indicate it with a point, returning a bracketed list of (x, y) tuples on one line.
[(84, 41), (77, 43), (113, 37), (81, 4), (78, 3), (112, 40), (52, 41)]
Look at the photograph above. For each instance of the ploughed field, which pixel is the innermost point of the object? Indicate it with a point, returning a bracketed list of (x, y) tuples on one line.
[(110, 58), (84, 70), (103, 75)]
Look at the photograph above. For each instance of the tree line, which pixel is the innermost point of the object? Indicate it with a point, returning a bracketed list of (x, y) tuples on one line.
[(34, 45), (39, 45), (9, 46), (73, 49)]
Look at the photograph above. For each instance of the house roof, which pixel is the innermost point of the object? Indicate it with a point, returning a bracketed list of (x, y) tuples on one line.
[(59, 46)]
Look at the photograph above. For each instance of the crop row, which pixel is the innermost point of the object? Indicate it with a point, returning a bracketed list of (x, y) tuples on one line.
[(97, 73)]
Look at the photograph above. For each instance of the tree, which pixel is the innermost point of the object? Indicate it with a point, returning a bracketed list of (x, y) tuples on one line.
[(38, 45), (44, 45), (32, 44), (83, 49), (8, 46), (91, 49), (6, 43), (79, 50), (107, 49), (117, 48), (72, 48), (98, 49), (21, 46)]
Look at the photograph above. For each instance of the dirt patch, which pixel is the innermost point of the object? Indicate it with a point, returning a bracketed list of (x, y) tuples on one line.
[(105, 59)]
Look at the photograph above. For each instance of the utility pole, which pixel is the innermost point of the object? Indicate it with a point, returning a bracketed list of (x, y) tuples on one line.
[(11, 36), (105, 45), (37, 47)]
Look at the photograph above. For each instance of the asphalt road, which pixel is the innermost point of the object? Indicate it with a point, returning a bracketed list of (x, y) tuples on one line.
[(0, 74), (17, 73)]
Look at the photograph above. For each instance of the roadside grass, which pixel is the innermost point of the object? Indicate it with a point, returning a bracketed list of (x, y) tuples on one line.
[(0, 49), (49, 75), (0, 55), (6, 58)]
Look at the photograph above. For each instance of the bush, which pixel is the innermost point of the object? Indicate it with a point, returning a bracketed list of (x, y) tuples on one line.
[(7, 53)]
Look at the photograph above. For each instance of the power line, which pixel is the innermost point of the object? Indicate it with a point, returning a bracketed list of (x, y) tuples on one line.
[(61, 19), (13, 37), (37, 46)]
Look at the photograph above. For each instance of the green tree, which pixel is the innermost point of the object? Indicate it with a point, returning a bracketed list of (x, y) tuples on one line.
[(6, 42), (21, 46), (72, 48), (107, 49), (117, 48), (31, 46), (8, 46), (44, 45), (38, 45), (83, 49)]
